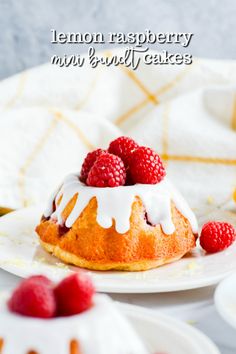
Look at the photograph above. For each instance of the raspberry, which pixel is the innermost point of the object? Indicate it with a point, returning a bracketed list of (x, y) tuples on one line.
[(216, 236), (74, 294), (107, 171), (146, 166), (88, 163), (123, 147), (34, 298)]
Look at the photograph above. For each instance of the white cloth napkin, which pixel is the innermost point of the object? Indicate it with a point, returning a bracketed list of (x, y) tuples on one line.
[(51, 116)]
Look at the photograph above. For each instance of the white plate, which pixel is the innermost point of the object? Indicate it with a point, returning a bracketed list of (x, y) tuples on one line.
[(21, 254), (164, 335), (225, 299)]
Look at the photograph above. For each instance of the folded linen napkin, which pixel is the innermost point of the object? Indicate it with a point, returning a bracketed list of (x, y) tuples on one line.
[(51, 116)]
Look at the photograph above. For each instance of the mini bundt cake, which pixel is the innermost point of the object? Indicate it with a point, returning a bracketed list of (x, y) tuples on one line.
[(119, 213), (42, 324)]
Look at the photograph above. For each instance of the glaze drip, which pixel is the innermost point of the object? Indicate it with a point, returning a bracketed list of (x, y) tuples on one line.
[(116, 203)]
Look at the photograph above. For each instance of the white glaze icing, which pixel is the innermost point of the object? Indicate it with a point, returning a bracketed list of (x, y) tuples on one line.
[(100, 330), (116, 203)]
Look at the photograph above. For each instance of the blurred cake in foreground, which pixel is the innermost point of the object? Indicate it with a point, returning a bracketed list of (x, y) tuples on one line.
[(119, 213), (64, 319)]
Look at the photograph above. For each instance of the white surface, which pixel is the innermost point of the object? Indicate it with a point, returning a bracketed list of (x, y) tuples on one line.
[(225, 299), (148, 104), (21, 254)]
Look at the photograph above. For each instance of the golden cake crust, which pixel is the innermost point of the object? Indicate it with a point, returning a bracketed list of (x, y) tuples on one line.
[(88, 245)]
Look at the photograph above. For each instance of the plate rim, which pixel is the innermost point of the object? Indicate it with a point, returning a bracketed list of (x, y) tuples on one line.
[(218, 295), (159, 318), (123, 288)]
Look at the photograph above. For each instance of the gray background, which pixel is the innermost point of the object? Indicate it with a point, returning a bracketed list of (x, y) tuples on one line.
[(25, 25)]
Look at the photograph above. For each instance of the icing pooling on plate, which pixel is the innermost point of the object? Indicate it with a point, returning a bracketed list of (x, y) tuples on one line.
[(116, 203), (100, 330)]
